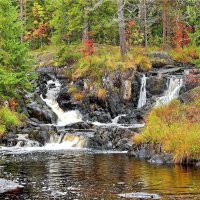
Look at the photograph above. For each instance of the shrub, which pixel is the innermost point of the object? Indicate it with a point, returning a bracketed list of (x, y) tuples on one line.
[(144, 62), (78, 96), (72, 89), (186, 55), (8, 117)]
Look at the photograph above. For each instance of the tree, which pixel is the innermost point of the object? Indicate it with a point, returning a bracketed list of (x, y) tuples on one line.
[(143, 20), (14, 64), (166, 24), (122, 31)]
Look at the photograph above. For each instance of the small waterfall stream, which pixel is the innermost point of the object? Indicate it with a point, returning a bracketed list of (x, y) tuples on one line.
[(64, 118), (173, 88), (143, 93)]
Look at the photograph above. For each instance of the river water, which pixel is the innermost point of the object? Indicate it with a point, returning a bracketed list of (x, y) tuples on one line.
[(88, 175)]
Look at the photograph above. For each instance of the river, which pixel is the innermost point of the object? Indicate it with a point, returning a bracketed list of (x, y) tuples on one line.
[(74, 174)]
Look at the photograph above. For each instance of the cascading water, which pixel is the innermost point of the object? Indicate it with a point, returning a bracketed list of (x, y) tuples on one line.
[(143, 92), (115, 123), (172, 92), (64, 118)]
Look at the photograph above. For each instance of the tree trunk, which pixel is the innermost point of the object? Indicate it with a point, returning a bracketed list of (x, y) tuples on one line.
[(166, 24), (143, 20), (122, 32), (22, 5)]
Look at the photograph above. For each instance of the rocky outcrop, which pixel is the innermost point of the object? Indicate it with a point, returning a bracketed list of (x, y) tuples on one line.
[(106, 138), (151, 152), (160, 59)]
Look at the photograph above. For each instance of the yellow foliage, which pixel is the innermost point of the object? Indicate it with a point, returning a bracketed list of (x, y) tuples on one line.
[(101, 93), (72, 89), (185, 55), (138, 138), (78, 96), (144, 62), (176, 127)]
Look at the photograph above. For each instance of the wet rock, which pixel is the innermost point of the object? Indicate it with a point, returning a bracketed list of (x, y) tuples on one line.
[(156, 85), (43, 114), (127, 90), (64, 99), (10, 139), (10, 187), (161, 159)]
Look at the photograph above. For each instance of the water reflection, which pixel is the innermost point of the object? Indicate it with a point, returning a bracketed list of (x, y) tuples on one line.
[(84, 175)]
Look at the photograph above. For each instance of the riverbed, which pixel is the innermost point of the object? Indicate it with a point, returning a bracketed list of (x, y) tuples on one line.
[(85, 174)]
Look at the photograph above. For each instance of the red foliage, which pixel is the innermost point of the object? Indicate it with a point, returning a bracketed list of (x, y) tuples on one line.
[(181, 37), (129, 25), (41, 31), (88, 47), (12, 104), (193, 76)]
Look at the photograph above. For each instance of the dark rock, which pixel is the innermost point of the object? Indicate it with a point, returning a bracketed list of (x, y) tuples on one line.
[(156, 85), (42, 114)]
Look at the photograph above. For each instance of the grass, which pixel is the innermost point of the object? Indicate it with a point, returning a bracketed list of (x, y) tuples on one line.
[(176, 127)]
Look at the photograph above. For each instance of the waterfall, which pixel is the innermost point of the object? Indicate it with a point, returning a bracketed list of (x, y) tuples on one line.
[(172, 92), (64, 118), (143, 92), (66, 141), (116, 119)]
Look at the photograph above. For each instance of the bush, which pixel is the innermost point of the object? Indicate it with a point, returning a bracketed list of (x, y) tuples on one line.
[(101, 93), (186, 55), (8, 117)]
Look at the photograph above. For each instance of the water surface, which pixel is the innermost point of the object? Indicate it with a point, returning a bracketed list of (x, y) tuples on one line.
[(91, 175)]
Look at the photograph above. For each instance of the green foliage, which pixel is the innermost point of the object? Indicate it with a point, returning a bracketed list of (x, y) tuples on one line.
[(14, 63), (8, 119), (163, 127), (68, 55)]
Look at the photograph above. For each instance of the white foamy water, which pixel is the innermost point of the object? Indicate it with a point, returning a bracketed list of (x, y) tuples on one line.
[(115, 123), (172, 92), (64, 118), (143, 92)]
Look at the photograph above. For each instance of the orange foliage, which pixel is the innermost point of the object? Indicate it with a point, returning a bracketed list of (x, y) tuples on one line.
[(181, 37), (12, 104)]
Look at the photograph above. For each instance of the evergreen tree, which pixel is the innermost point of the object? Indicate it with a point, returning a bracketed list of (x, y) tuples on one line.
[(14, 64)]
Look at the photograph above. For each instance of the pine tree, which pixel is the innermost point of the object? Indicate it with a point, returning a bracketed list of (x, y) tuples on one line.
[(14, 64)]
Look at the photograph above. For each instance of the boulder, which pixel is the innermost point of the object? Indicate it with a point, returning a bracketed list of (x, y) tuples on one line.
[(160, 59)]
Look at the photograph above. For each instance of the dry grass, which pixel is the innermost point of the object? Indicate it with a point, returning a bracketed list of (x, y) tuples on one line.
[(176, 127), (101, 94)]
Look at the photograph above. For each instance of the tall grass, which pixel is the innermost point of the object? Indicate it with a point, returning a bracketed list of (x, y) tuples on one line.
[(176, 127)]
